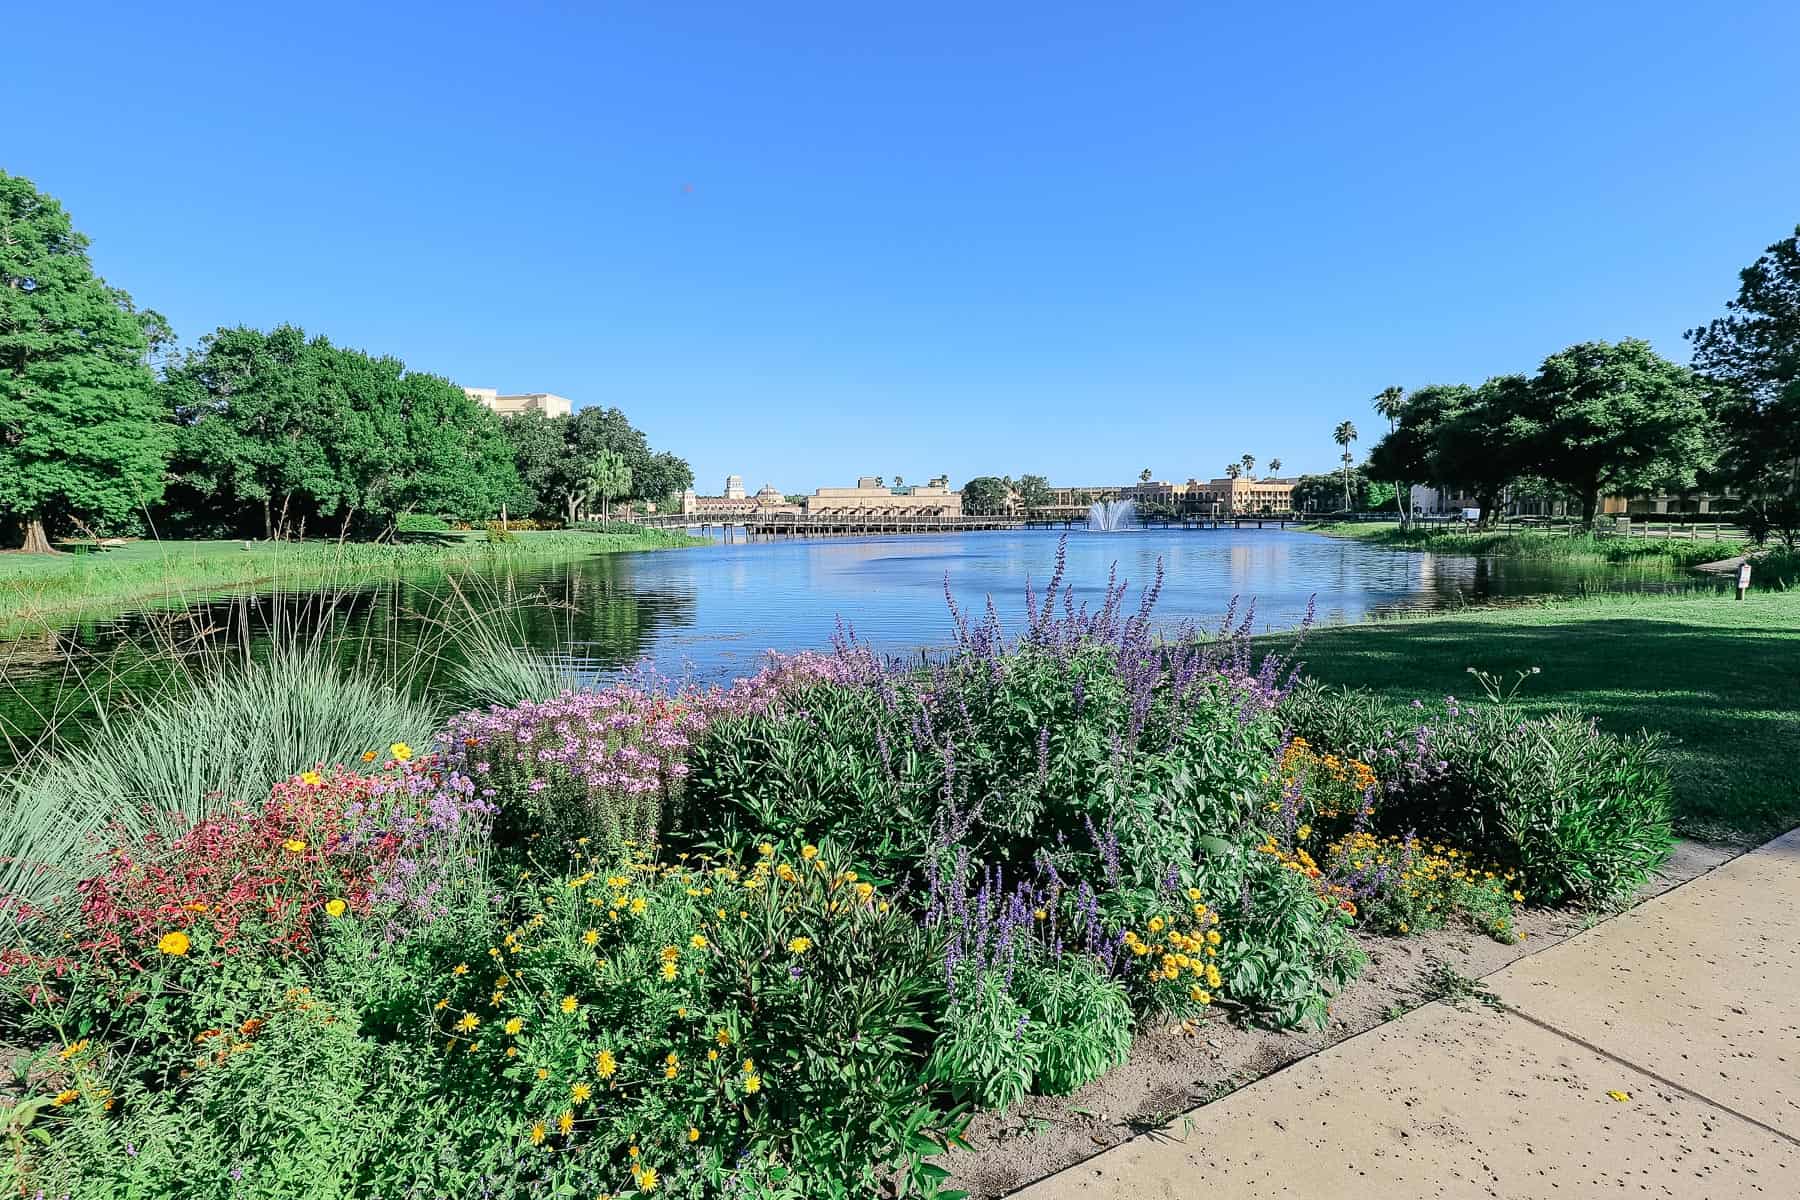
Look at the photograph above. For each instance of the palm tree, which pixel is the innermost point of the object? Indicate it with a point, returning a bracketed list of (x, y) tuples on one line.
[(608, 477), (1274, 466), (899, 482), (1144, 475), (1233, 470), (1249, 461), (1390, 402), (1343, 435)]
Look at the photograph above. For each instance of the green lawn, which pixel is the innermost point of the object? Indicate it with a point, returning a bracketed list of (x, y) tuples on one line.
[(37, 589), (1677, 551), (1719, 678)]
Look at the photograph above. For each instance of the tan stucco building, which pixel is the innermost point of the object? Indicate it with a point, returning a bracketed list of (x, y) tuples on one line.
[(512, 404)]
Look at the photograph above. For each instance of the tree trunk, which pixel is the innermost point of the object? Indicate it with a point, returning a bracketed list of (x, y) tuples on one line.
[(1403, 502), (1590, 504), (570, 500), (36, 540)]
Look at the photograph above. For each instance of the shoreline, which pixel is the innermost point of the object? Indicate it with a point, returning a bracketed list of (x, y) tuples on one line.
[(57, 591)]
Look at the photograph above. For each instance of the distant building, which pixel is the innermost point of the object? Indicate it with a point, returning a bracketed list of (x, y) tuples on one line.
[(734, 487), (548, 403), (735, 503), (870, 498), (1244, 494)]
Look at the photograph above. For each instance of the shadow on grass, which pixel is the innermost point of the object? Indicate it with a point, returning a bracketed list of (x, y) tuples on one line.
[(1727, 698)]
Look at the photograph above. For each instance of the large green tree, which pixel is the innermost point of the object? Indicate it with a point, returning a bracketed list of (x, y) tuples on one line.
[(1034, 492), (985, 494), (1752, 354), (608, 478), (1618, 418), (1486, 439), (291, 434), (82, 436)]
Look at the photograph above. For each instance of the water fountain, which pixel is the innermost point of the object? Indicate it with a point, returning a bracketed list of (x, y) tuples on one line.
[(1110, 516)]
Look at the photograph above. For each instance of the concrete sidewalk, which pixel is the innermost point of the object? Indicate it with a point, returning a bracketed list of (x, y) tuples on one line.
[(1689, 1005)]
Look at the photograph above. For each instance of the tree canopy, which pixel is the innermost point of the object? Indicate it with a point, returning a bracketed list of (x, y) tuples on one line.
[(985, 494), (1752, 355), (82, 442), (286, 433), (1617, 418)]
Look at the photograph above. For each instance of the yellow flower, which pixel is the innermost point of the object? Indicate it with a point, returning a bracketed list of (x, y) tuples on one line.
[(637, 907), (697, 942), (591, 936), (74, 1048), (467, 1022), (565, 1122), (864, 891), (513, 1025), (800, 945), (537, 1133), (568, 1004), (335, 908), (646, 1179), (1519, 896), (693, 1134), (460, 969), (294, 846), (1200, 996), (765, 849), (669, 972), (68, 1097), (368, 756), (1621, 1097), (175, 943), (401, 751), (723, 1037), (809, 852), (607, 1065), (580, 1092), (311, 778), (752, 1084)]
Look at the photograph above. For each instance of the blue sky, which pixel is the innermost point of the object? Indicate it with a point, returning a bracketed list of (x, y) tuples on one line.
[(802, 242)]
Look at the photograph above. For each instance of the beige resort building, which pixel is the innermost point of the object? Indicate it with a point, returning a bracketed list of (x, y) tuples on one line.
[(1241, 495), (870, 497), (548, 403)]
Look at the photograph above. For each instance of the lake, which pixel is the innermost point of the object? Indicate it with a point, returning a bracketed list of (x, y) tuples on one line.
[(710, 612)]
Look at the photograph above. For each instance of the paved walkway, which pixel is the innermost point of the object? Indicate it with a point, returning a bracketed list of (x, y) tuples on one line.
[(1688, 1004)]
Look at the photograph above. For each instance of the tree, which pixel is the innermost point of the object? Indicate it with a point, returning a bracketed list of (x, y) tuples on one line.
[(1325, 493), (1343, 435), (899, 482), (1752, 356), (1617, 419), (538, 446), (1390, 402), (1233, 470), (1034, 492), (287, 432), (608, 477), (1144, 475), (984, 495), (1275, 466), (1249, 461), (82, 436), (1483, 438), (1408, 453)]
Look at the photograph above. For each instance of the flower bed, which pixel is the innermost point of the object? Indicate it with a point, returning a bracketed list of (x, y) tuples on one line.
[(778, 939)]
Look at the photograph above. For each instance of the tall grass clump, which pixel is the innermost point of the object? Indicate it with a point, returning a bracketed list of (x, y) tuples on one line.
[(220, 731), (1564, 547)]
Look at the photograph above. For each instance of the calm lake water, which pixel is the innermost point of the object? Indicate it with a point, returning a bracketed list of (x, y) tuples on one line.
[(710, 612)]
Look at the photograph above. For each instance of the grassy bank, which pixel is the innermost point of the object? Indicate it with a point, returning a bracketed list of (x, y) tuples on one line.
[(1719, 677), (144, 574), (1676, 551)]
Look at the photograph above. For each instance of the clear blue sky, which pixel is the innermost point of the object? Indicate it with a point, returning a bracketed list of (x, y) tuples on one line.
[(803, 242)]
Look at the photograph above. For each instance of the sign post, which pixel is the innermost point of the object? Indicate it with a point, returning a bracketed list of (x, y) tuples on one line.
[(1743, 579)]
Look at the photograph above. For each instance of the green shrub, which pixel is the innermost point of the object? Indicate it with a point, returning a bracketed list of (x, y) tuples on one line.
[(990, 1048), (421, 523), (1580, 814), (1083, 1019)]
